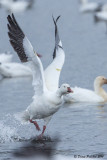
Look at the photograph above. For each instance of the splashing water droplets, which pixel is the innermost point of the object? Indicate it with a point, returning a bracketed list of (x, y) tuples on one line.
[(12, 130), (6, 133)]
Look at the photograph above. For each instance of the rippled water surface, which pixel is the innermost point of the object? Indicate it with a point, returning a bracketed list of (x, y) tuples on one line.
[(76, 129)]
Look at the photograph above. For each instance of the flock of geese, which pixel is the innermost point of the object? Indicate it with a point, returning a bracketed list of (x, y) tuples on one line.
[(98, 9), (48, 96)]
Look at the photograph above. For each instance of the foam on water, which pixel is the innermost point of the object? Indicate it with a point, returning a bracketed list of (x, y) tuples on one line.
[(12, 130), (7, 133)]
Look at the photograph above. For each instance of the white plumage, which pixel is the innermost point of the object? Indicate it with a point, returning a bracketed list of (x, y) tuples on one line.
[(5, 57), (85, 95), (52, 72), (45, 103)]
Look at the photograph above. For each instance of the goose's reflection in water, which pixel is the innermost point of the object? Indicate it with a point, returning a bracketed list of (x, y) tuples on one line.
[(37, 149)]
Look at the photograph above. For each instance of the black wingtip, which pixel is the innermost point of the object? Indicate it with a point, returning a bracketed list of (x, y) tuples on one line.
[(16, 36), (9, 16), (57, 38), (58, 18), (14, 18), (55, 21)]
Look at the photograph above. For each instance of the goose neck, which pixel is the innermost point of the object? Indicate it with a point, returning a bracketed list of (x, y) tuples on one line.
[(59, 93)]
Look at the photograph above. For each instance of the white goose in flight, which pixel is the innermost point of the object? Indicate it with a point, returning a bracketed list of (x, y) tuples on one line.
[(45, 103)]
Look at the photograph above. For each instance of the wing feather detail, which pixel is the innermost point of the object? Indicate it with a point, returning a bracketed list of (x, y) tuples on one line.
[(26, 53), (52, 72)]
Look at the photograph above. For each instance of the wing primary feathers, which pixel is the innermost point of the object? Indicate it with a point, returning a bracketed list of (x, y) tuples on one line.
[(26, 53), (57, 39), (16, 36)]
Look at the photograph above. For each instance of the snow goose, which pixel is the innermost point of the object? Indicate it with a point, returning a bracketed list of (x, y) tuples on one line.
[(85, 95), (16, 6), (45, 103), (89, 6), (5, 57)]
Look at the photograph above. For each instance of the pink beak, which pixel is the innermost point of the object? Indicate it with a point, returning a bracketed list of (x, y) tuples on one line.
[(70, 90), (39, 55)]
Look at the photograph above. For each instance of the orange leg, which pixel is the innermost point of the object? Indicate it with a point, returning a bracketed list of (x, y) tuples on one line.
[(36, 124), (41, 135)]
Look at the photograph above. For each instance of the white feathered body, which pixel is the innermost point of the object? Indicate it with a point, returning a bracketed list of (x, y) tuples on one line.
[(43, 106), (83, 95), (45, 101)]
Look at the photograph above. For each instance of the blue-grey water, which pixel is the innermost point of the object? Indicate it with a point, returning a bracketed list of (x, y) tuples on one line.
[(76, 129)]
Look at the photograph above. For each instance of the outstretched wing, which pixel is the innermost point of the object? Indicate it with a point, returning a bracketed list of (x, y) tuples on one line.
[(26, 53), (52, 72)]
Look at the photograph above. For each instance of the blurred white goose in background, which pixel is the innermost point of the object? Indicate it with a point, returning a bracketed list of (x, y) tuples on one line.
[(104, 8), (5, 57), (14, 69), (85, 95), (86, 6), (101, 16), (9, 69), (45, 103), (16, 6)]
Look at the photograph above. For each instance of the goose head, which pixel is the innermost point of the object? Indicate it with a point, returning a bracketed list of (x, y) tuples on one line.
[(65, 89), (99, 81)]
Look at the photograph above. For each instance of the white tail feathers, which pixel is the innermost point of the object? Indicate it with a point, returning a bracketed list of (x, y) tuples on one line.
[(25, 116)]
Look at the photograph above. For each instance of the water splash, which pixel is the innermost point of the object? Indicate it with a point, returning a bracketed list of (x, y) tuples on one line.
[(7, 133), (11, 130)]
